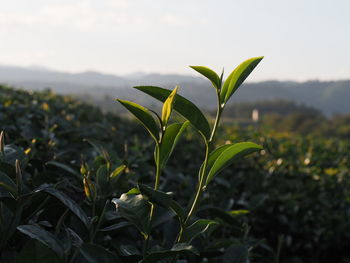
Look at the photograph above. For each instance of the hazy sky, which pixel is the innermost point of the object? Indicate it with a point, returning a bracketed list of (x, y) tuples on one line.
[(300, 39)]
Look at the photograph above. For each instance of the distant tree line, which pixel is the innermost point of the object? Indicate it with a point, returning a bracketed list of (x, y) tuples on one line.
[(287, 116)]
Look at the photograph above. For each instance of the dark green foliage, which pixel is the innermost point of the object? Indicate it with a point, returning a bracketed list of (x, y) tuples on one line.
[(289, 203), (43, 236), (57, 189)]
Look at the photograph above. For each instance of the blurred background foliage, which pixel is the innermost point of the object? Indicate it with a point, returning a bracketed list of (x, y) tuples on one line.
[(289, 203)]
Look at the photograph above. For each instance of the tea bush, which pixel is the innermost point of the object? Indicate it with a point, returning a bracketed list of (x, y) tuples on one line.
[(288, 203)]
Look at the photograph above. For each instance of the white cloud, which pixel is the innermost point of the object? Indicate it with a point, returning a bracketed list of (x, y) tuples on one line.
[(78, 15), (81, 15), (178, 20), (118, 3)]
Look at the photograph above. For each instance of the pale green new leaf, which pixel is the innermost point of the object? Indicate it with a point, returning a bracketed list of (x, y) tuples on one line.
[(171, 136), (144, 116), (168, 107), (117, 171), (230, 154), (183, 106), (237, 77), (209, 74)]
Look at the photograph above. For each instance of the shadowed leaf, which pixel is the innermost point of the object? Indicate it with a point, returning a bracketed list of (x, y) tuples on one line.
[(43, 236), (163, 199), (69, 203), (171, 136), (135, 209), (144, 116), (97, 254), (177, 249), (197, 228)]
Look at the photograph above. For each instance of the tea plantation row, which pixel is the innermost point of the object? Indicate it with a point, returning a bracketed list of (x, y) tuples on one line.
[(288, 203)]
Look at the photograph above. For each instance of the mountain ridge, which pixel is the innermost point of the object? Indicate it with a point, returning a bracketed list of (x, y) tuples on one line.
[(331, 97)]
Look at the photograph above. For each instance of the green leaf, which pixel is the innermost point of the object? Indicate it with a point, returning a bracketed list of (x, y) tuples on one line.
[(162, 199), (209, 74), (236, 254), (13, 153), (129, 250), (197, 228), (177, 249), (230, 154), (135, 209), (36, 252), (99, 148), (69, 203), (144, 116), (171, 136), (7, 184), (65, 167), (43, 236), (2, 142), (115, 226), (225, 218), (133, 191), (102, 179), (214, 155), (182, 106), (239, 212), (117, 171), (97, 254), (162, 216), (237, 77), (168, 107)]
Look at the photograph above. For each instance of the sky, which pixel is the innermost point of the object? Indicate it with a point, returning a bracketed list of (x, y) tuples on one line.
[(300, 39)]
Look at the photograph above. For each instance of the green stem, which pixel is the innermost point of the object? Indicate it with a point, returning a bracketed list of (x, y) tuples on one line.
[(202, 176), (156, 186), (93, 208), (200, 186), (98, 223), (61, 220), (74, 255), (158, 170), (217, 118), (42, 204)]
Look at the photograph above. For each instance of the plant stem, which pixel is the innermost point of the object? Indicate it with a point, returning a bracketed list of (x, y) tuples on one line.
[(217, 118), (200, 186), (202, 176), (94, 232), (156, 183), (156, 186), (74, 255)]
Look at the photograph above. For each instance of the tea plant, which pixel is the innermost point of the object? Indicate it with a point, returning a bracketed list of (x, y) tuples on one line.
[(49, 212), (294, 195), (138, 206)]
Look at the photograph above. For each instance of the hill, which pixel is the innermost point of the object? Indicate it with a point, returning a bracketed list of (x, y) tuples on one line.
[(330, 97)]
